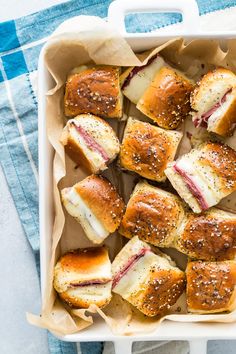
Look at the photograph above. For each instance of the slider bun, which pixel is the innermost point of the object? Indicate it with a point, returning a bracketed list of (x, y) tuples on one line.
[(94, 90), (211, 88), (211, 286), (152, 214), (95, 203), (209, 91), (147, 149), (166, 100), (212, 167), (218, 164), (160, 290), (75, 271), (152, 284), (208, 236), (81, 151)]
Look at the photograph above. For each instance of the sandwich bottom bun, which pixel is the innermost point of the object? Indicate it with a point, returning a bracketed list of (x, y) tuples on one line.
[(82, 277)]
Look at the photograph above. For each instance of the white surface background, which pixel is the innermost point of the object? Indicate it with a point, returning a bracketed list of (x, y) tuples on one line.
[(19, 280)]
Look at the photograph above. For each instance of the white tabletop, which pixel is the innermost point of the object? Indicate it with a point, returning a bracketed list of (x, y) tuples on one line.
[(19, 280)]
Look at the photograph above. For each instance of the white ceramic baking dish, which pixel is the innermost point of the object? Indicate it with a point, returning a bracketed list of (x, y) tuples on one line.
[(196, 333)]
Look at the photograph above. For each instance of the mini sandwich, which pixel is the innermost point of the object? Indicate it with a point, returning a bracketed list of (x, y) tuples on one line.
[(96, 205), (83, 277), (90, 142), (159, 91), (211, 286), (94, 90), (167, 100), (135, 80), (214, 102), (153, 215), (209, 236), (147, 149), (150, 282), (205, 175)]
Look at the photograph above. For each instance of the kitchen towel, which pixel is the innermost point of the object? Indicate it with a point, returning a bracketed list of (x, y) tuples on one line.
[(20, 45)]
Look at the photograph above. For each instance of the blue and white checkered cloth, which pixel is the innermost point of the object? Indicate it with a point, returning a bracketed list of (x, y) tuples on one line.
[(20, 45)]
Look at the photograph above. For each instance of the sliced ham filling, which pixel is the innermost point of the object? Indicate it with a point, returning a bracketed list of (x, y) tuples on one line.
[(193, 188), (135, 70), (203, 120), (90, 142), (131, 262), (89, 283)]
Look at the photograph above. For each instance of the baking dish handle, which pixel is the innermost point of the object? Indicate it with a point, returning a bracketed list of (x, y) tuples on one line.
[(118, 9), (196, 346), (123, 347)]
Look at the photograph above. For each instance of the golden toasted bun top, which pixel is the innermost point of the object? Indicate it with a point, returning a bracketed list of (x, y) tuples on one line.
[(84, 260), (147, 149), (210, 235), (167, 100), (210, 285), (152, 214), (103, 200), (222, 159), (162, 290), (95, 90), (210, 89)]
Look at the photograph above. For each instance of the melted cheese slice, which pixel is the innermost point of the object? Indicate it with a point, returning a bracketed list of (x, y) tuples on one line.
[(142, 79), (137, 274), (91, 292), (186, 165), (217, 115)]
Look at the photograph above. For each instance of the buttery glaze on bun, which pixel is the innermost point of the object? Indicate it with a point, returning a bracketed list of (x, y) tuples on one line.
[(214, 102), (90, 142), (94, 90), (150, 282), (147, 149), (209, 236), (205, 175), (96, 205), (211, 286), (167, 100), (153, 215), (83, 277)]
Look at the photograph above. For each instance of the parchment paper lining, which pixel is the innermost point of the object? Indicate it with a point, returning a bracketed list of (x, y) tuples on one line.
[(75, 42)]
